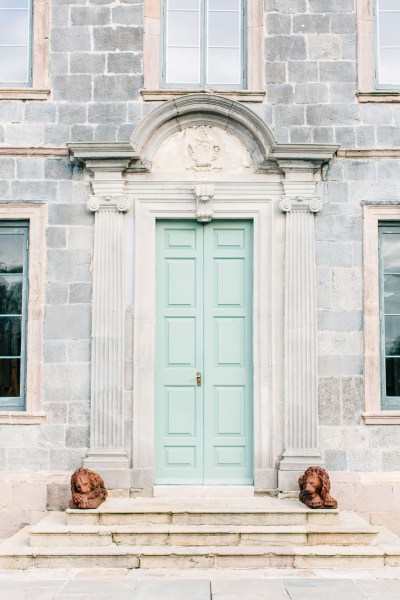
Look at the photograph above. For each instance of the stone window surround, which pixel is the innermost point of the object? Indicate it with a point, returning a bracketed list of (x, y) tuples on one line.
[(36, 214), (366, 59), (255, 91), (374, 415), (39, 90)]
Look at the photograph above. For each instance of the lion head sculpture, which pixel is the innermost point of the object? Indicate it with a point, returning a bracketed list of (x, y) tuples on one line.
[(87, 488), (314, 489)]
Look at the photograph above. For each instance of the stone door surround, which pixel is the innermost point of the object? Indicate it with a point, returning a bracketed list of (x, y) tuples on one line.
[(280, 172)]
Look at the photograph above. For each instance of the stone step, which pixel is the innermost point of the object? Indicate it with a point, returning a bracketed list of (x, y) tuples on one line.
[(17, 554), (54, 531), (205, 511)]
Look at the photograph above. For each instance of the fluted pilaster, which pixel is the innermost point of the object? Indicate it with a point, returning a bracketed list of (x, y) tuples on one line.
[(300, 381)]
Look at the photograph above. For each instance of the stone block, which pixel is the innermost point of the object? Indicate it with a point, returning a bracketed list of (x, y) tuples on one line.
[(124, 132), (388, 136), (342, 320), (300, 135), (118, 38), (85, 62), (339, 365), (56, 134), (390, 460), (342, 93), (282, 93), (58, 168), (80, 237), (107, 113), (72, 88), (335, 460), (34, 190), (56, 412), (59, 63), (108, 88), (286, 6), (374, 498), (67, 459), (352, 399), (5, 497), (67, 214), (347, 289), (29, 168), (65, 382), (279, 24), (52, 436), (77, 436), (128, 15), (285, 47), (334, 254), (79, 413), (82, 133), (65, 191), (54, 351), (72, 113), (11, 111), (12, 521), (302, 72), (343, 23), (19, 134), (66, 322), (58, 496), (124, 62), (27, 458), (63, 39), (105, 133), (345, 137), (65, 265), (7, 167), (331, 6), (56, 293), (43, 112), (275, 72), (360, 460), (349, 47), (365, 136), (332, 114), (387, 436), (324, 47), (288, 115), (85, 15), (338, 70), (307, 23), (386, 170), (80, 293), (306, 93), (29, 496), (329, 401), (59, 15), (377, 114)]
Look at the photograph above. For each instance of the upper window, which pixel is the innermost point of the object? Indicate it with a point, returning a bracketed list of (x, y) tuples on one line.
[(203, 44), (13, 313), (387, 28), (15, 43)]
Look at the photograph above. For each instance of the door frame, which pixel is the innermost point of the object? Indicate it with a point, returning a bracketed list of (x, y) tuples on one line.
[(172, 200)]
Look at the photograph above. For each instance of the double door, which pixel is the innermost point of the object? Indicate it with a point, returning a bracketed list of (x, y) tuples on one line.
[(204, 364)]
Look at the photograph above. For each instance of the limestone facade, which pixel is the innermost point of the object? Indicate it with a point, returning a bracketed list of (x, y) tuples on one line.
[(310, 105)]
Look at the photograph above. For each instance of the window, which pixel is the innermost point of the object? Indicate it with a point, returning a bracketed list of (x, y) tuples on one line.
[(24, 38), (13, 313), (389, 275), (387, 27), (203, 44), (15, 43)]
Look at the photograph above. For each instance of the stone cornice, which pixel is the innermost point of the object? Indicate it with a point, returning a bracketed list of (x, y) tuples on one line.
[(104, 156)]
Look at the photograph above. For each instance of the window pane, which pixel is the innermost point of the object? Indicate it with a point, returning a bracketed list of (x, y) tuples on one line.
[(14, 65), (224, 66), (389, 27), (389, 66), (183, 4), (393, 376), (11, 294), (15, 3), (183, 28), (10, 376), (10, 336), (392, 336), (391, 253), (224, 29), (389, 5), (11, 253), (183, 65), (224, 4), (391, 294), (14, 27)]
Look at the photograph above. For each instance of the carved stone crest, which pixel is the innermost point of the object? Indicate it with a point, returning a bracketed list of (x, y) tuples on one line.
[(203, 150)]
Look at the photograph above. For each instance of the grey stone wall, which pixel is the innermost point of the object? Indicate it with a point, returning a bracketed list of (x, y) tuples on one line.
[(96, 77)]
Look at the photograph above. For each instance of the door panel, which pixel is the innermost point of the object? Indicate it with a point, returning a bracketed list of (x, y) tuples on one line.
[(204, 324)]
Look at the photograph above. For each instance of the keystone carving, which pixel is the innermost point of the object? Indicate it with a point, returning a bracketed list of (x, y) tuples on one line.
[(315, 487), (204, 200), (313, 204), (87, 488), (120, 203)]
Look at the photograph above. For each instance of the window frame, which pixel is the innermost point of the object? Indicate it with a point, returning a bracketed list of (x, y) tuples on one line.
[(375, 27), (38, 89), (373, 215), (203, 49), (253, 50), (14, 403), (36, 215)]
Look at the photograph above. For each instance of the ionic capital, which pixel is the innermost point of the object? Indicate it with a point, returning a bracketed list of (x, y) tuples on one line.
[(312, 205), (117, 203)]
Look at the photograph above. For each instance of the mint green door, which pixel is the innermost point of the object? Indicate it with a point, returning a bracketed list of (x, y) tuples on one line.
[(204, 362)]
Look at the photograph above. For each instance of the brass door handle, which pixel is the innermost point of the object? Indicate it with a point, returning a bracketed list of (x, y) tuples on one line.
[(198, 378)]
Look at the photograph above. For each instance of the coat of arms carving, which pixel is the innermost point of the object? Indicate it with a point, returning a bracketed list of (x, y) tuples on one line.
[(203, 149)]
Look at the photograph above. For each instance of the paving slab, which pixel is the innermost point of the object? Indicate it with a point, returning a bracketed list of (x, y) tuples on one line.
[(383, 589), (328, 589), (103, 586), (249, 589), (173, 590)]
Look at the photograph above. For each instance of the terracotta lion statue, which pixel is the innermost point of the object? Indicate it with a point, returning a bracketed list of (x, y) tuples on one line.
[(87, 488), (314, 489)]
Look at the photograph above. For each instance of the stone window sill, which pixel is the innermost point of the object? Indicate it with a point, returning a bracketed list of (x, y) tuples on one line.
[(382, 96), (245, 95), (384, 417), (21, 418), (23, 94)]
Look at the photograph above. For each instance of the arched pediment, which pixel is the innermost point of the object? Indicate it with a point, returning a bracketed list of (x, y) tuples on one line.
[(202, 113)]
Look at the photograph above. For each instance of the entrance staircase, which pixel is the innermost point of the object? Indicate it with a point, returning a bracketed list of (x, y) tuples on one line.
[(256, 532)]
